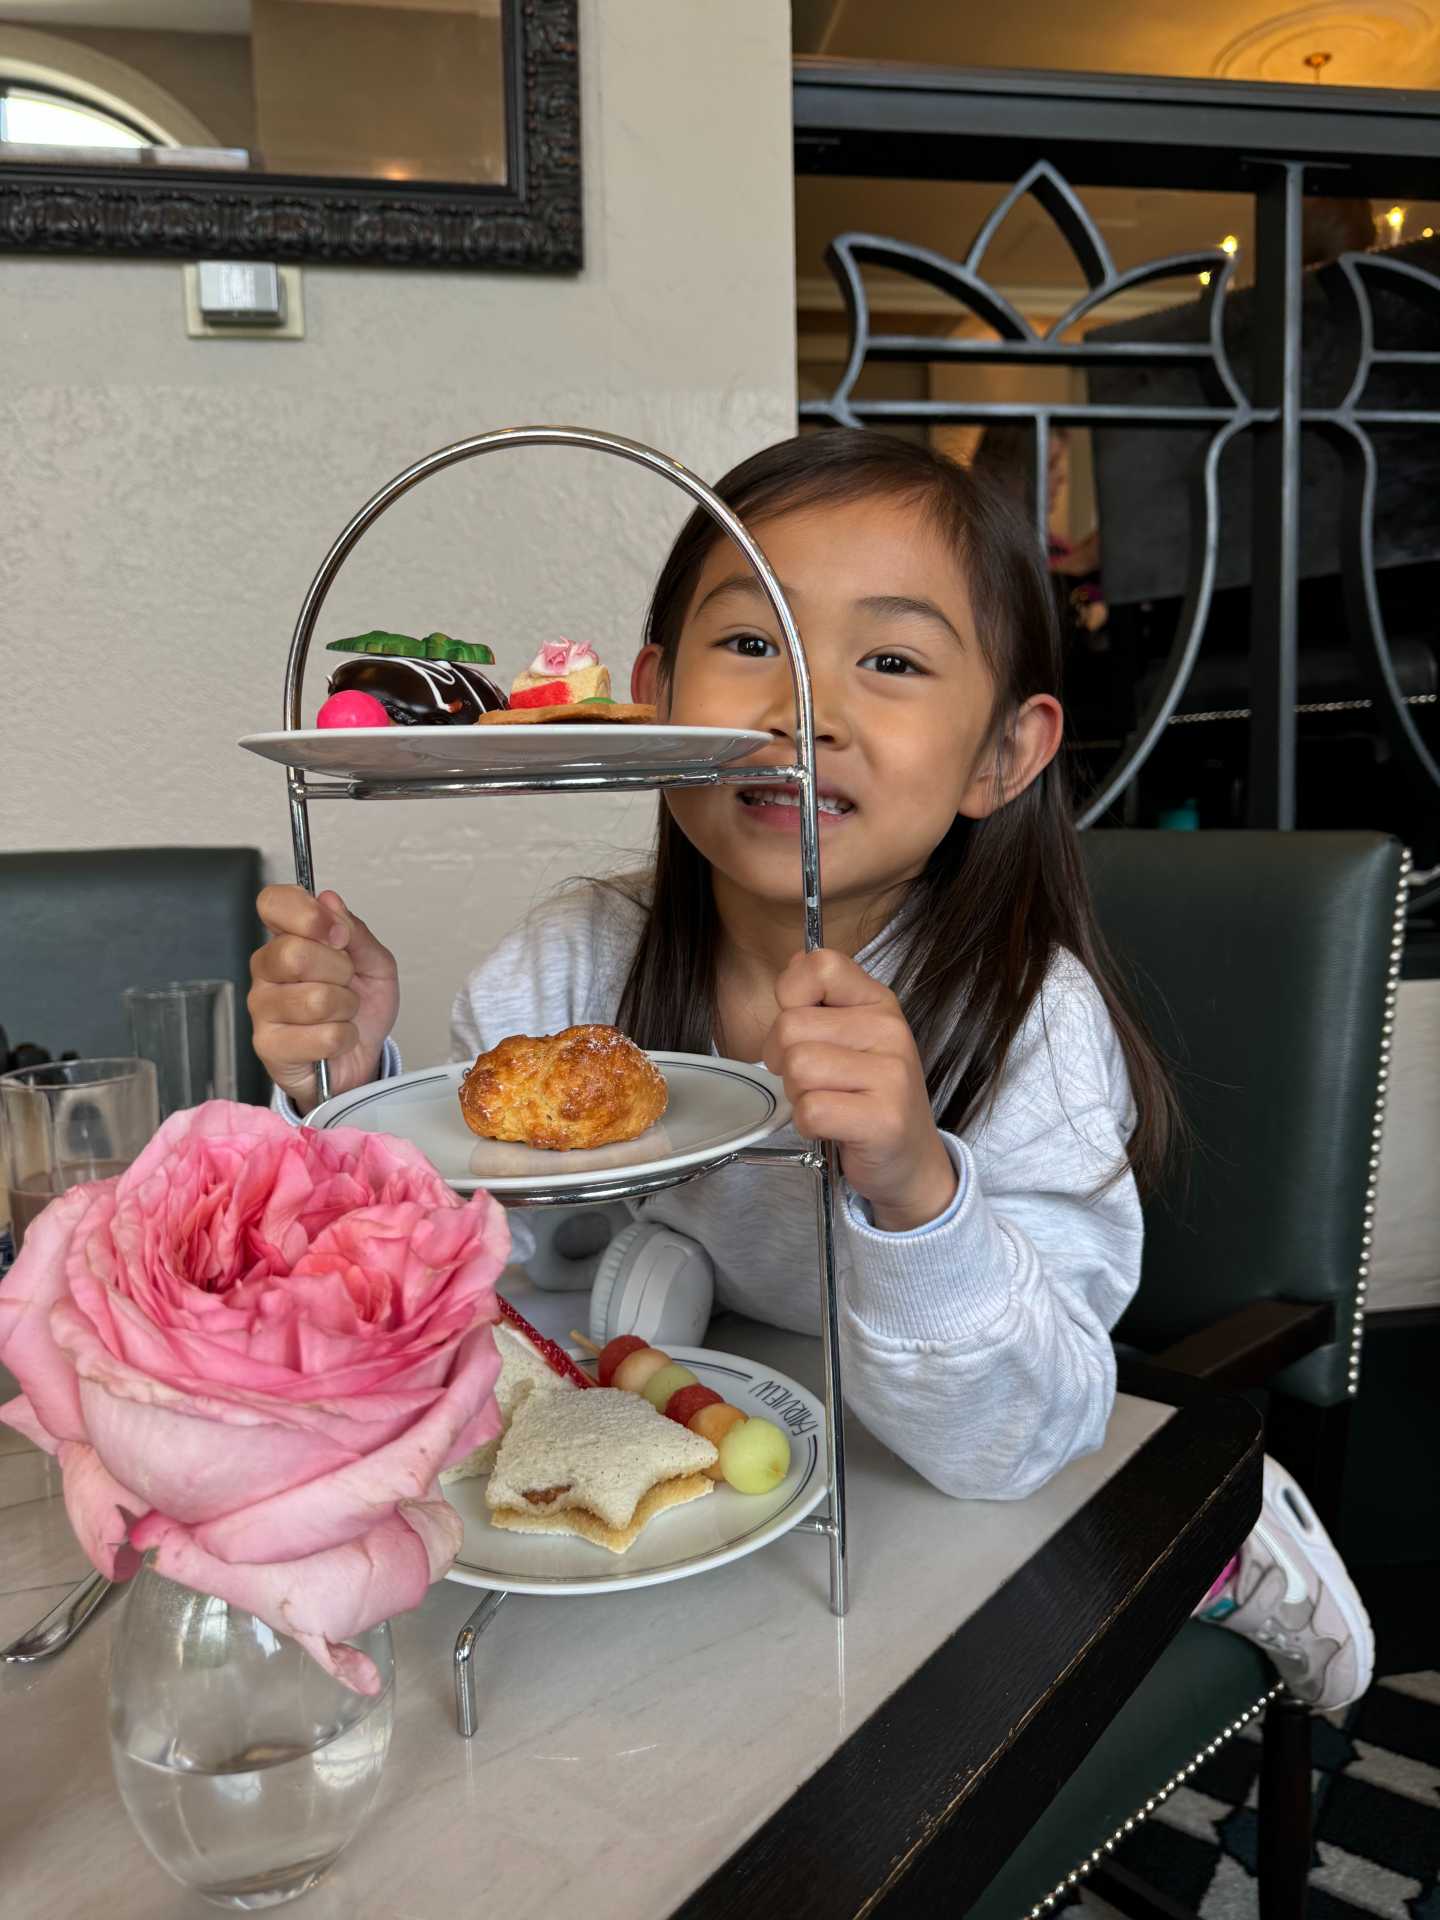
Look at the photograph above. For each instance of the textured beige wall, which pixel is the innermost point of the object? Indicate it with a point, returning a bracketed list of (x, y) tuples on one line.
[(164, 502)]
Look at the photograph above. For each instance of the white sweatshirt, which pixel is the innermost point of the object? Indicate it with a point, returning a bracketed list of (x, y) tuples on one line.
[(976, 1347)]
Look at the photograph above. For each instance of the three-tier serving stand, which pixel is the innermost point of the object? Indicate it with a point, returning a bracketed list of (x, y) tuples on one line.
[(303, 788)]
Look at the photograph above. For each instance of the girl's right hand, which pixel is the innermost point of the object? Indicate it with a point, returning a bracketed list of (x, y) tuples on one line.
[(322, 988)]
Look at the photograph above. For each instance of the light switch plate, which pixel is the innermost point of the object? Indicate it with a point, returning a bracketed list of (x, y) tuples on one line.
[(291, 328)]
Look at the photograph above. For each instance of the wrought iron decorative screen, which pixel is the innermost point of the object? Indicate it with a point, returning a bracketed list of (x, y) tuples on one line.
[(975, 127)]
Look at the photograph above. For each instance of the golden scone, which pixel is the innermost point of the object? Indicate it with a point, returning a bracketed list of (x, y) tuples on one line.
[(586, 1087)]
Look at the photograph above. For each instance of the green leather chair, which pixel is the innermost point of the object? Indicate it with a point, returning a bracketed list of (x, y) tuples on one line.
[(1266, 965), (77, 928)]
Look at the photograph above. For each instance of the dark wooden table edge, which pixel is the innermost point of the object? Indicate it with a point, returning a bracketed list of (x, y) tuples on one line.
[(1041, 1669)]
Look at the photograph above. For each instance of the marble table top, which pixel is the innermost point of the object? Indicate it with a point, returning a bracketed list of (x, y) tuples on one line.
[(628, 1743)]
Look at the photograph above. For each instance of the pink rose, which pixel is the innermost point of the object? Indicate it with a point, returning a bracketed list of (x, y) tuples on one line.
[(559, 657), (254, 1351)]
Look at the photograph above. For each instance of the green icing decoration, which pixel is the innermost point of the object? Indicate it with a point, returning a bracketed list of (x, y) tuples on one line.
[(376, 642), (439, 646), (435, 646), (596, 700)]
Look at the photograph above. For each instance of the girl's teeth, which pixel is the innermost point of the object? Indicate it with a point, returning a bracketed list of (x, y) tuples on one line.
[(786, 797)]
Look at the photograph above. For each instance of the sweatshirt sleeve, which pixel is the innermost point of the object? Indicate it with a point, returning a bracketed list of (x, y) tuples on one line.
[(978, 1347), (562, 966)]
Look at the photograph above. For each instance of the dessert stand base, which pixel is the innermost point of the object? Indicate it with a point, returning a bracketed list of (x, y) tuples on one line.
[(467, 1706)]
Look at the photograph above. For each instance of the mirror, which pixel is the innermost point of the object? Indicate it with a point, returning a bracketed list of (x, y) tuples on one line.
[(440, 130)]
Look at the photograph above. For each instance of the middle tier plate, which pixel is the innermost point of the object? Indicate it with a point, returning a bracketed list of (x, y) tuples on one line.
[(716, 1108)]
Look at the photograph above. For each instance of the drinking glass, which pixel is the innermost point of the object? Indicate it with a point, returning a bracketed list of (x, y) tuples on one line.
[(188, 1029), (70, 1121)]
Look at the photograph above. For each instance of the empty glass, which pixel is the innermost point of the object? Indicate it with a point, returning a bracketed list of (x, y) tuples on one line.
[(188, 1029), (71, 1121)]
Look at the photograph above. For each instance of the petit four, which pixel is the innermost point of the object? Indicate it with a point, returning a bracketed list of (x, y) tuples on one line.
[(565, 681)]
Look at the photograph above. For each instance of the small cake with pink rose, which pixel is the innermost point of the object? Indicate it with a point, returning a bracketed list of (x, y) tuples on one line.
[(565, 681)]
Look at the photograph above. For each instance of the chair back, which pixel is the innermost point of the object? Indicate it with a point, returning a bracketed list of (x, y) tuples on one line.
[(1266, 967), (77, 928)]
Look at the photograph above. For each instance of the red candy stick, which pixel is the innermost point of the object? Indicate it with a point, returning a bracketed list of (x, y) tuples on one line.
[(554, 1357)]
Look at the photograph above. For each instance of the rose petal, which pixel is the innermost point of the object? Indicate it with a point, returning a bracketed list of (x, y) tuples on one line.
[(34, 1285), (342, 1505), (101, 1510), (19, 1414)]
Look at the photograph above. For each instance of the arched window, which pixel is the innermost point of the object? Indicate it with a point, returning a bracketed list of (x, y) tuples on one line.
[(33, 116), (57, 93)]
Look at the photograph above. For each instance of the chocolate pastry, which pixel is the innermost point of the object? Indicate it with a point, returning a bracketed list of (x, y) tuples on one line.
[(434, 682)]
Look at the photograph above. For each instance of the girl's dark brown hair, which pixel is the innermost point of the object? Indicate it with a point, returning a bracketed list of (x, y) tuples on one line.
[(980, 926)]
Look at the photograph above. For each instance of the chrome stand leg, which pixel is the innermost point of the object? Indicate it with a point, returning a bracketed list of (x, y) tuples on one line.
[(304, 862), (465, 1709), (826, 1187)]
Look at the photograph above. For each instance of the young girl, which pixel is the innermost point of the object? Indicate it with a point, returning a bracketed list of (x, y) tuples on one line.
[(994, 1102)]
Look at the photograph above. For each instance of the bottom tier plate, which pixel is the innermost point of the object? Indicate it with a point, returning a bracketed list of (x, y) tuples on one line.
[(707, 1533)]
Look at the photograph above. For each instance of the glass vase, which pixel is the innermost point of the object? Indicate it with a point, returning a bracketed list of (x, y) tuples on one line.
[(244, 1765)]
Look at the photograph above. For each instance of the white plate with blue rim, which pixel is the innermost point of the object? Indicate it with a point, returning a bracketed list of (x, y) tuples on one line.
[(716, 1109), (709, 1532)]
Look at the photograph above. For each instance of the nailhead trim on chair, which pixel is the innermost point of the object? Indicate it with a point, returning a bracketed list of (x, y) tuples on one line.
[(1072, 1880), (1382, 1088)]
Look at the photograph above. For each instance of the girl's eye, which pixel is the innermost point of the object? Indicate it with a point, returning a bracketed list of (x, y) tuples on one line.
[(890, 663), (751, 646)]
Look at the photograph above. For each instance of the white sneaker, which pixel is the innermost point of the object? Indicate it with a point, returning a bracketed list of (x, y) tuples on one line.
[(1293, 1598)]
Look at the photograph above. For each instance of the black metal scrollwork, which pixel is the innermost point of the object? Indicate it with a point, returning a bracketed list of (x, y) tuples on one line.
[(1225, 409)]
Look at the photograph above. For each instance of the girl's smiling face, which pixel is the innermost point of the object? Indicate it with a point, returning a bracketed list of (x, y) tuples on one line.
[(903, 701)]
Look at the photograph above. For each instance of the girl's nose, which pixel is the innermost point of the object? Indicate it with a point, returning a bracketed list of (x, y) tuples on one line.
[(831, 729)]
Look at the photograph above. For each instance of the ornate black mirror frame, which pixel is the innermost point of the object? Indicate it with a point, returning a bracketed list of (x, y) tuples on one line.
[(531, 222)]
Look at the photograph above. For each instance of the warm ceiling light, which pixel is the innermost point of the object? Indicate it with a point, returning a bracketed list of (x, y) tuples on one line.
[(1230, 244), (1427, 233), (1204, 279), (1395, 220)]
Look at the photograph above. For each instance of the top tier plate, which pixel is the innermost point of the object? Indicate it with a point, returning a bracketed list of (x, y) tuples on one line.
[(427, 753)]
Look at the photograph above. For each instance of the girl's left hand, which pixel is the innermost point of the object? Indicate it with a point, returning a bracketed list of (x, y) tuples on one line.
[(853, 1074)]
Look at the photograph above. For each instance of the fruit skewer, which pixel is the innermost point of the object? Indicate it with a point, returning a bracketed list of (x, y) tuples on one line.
[(754, 1453)]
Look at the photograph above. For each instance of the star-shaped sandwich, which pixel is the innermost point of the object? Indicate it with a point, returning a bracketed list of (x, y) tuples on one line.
[(600, 1464)]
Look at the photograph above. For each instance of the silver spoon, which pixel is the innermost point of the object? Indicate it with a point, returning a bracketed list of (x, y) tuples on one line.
[(60, 1626)]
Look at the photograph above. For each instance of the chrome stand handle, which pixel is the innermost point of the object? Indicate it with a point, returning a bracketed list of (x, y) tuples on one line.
[(826, 1166)]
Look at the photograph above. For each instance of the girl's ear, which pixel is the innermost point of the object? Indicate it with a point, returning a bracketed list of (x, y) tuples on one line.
[(1031, 742), (645, 677)]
